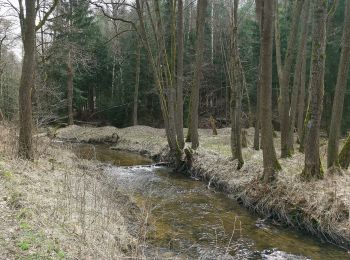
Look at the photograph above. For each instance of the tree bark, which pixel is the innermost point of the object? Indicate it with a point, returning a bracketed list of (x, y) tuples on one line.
[(70, 75), (284, 84), (179, 74), (212, 32), (340, 88), (25, 149), (344, 156), (259, 8), (137, 83), (237, 83), (278, 43), (313, 167), (302, 87), (271, 165), (194, 99), (299, 75)]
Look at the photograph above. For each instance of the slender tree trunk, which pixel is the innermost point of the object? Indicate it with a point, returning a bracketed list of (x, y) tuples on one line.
[(237, 82), (27, 82), (340, 88), (169, 100), (113, 77), (299, 75), (212, 32), (284, 84), (194, 100), (180, 73), (259, 10), (278, 43), (70, 75), (302, 86), (313, 167), (271, 165), (137, 83)]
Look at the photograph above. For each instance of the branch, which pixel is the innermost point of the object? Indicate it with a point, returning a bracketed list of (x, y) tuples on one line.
[(332, 10), (110, 16), (46, 16)]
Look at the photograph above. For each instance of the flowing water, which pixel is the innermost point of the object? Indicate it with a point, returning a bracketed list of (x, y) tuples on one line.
[(191, 220)]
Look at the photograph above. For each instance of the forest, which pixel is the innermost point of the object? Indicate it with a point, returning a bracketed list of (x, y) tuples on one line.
[(251, 97)]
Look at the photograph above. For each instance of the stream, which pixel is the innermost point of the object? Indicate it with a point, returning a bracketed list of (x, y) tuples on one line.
[(192, 220)]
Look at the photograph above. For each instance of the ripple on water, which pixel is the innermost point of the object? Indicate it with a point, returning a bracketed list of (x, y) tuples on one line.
[(188, 219)]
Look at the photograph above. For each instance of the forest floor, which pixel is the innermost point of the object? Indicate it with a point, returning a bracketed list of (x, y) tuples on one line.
[(61, 207), (320, 207)]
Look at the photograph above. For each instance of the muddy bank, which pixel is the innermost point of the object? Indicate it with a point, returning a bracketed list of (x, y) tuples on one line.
[(318, 207)]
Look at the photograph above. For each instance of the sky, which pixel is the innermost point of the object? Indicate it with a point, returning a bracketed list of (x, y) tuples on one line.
[(11, 15)]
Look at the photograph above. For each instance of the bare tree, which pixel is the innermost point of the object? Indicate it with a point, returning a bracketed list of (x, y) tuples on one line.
[(313, 167), (285, 76), (298, 91), (180, 74), (237, 81), (137, 82), (259, 9), (271, 165), (194, 99), (340, 88), (27, 17), (70, 77)]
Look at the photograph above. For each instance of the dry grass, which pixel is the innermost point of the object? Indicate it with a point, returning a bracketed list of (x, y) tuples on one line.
[(60, 207)]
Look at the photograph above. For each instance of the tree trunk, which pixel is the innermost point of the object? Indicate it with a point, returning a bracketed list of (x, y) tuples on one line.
[(344, 156), (25, 149), (179, 78), (313, 167), (299, 75), (340, 88), (271, 165), (284, 84), (70, 75), (212, 32), (259, 9), (237, 82), (302, 86), (137, 83), (194, 99), (278, 43)]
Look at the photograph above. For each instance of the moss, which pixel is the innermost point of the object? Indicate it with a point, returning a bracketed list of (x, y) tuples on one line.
[(24, 245), (240, 164), (312, 173), (302, 138), (278, 166), (344, 154)]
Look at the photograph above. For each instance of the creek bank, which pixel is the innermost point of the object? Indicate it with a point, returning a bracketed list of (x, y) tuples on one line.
[(319, 207), (61, 207)]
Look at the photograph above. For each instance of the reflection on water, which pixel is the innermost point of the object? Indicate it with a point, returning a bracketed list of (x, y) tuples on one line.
[(191, 220), (104, 154)]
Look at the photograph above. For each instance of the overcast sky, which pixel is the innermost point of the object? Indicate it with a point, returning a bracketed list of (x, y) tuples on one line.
[(11, 15)]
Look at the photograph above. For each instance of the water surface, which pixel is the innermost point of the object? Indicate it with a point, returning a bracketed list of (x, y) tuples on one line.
[(190, 219)]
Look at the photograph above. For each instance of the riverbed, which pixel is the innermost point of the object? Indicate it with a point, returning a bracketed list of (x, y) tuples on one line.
[(192, 220)]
